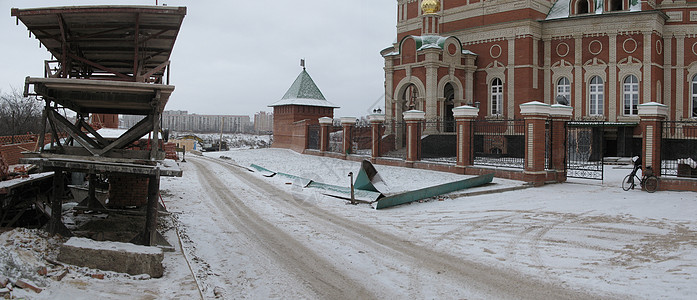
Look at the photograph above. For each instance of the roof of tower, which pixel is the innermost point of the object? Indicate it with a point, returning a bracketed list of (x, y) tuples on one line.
[(304, 91)]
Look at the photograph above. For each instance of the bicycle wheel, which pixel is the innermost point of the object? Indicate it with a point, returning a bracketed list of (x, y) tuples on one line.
[(651, 184), (628, 182)]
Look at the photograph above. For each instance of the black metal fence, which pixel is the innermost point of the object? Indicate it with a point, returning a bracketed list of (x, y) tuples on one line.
[(313, 138), (499, 143), (438, 145), (679, 149), (394, 140), (362, 139), (584, 155), (336, 139)]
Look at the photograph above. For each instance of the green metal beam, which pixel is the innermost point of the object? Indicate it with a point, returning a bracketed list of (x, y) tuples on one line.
[(432, 191)]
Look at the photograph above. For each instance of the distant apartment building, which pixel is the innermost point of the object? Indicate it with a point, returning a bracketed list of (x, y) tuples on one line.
[(182, 121), (263, 122)]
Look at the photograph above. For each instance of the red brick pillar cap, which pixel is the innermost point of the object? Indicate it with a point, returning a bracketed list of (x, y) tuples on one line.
[(653, 109), (465, 112), (535, 108), (376, 118), (348, 120), (561, 110), (414, 115), (326, 121)]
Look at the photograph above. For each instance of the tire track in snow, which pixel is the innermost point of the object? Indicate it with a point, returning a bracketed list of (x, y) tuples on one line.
[(499, 283), (321, 276)]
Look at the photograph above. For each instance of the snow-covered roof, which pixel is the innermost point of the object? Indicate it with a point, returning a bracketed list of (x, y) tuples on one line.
[(304, 91), (427, 42)]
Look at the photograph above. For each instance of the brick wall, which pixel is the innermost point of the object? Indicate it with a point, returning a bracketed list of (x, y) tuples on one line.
[(13, 152), (127, 190), (170, 151)]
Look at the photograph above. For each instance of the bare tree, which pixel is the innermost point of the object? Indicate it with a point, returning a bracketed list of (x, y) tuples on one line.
[(19, 114)]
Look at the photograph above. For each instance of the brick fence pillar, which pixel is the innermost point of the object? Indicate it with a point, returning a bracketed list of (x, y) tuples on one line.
[(535, 114), (464, 117), (414, 119), (652, 114), (376, 120), (347, 124), (560, 114), (324, 123)]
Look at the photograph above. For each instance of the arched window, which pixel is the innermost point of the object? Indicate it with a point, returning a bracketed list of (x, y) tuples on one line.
[(596, 96), (630, 92), (582, 7), (496, 96), (694, 96), (410, 97), (615, 5), (564, 89)]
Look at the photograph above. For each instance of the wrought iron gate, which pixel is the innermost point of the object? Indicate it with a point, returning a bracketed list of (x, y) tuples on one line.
[(584, 150)]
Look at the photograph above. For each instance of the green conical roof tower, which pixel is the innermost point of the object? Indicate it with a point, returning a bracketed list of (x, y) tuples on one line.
[(304, 91)]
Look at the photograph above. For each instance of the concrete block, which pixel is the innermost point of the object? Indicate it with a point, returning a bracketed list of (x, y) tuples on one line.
[(113, 256)]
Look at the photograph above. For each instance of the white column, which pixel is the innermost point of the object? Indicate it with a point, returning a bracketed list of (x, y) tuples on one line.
[(667, 71), (510, 80), (548, 72), (679, 75), (646, 81), (612, 78), (578, 75)]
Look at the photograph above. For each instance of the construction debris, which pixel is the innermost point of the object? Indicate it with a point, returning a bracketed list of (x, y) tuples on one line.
[(369, 187)]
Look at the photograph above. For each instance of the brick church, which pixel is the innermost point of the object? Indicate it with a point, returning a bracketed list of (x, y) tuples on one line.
[(603, 58)]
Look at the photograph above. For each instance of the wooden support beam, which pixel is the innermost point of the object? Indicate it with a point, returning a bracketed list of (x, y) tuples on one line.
[(73, 131), (147, 75), (150, 232), (132, 135), (54, 131), (55, 223), (42, 137), (102, 142), (155, 126), (136, 35), (98, 66)]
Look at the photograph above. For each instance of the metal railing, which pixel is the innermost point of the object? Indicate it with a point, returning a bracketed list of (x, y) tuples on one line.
[(499, 143), (438, 145), (313, 138), (362, 140), (679, 148), (394, 140)]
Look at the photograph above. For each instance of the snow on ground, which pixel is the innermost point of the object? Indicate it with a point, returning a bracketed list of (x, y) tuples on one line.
[(587, 234), (583, 235)]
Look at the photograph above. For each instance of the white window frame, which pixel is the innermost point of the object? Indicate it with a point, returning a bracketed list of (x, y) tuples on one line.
[(496, 99), (693, 86), (630, 95), (596, 96), (564, 89)]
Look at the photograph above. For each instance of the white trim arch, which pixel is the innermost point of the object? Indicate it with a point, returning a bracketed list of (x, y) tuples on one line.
[(457, 85), (399, 90)]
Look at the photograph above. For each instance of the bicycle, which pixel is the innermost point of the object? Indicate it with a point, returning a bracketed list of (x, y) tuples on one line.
[(648, 181)]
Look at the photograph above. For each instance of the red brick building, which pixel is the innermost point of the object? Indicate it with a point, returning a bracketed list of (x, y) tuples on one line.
[(301, 106), (603, 58)]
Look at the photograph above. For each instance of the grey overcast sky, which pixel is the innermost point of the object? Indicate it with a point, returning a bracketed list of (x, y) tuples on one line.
[(237, 57)]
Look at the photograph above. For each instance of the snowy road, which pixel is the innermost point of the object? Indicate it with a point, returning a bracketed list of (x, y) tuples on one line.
[(277, 243)]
